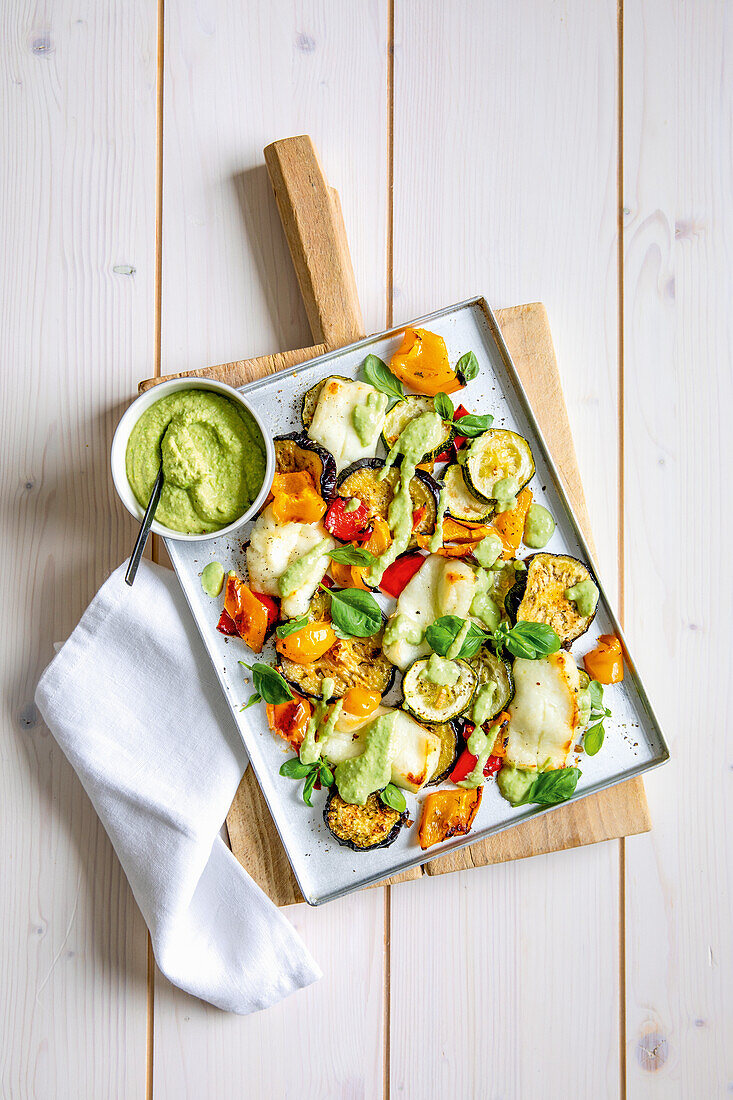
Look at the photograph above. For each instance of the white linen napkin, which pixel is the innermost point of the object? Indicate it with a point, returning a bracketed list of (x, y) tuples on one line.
[(133, 702)]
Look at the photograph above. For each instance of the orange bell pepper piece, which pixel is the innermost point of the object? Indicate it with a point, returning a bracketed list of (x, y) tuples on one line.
[(421, 362), (361, 702), (247, 612), (290, 720), (509, 526), (460, 550), (605, 663), (448, 813), (352, 576), (307, 644), (295, 499), (453, 531)]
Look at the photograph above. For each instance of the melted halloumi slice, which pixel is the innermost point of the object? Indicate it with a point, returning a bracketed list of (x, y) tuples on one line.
[(273, 547), (441, 586), (333, 426), (544, 712), (417, 754)]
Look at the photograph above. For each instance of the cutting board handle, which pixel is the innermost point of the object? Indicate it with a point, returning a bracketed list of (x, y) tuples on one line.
[(310, 212)]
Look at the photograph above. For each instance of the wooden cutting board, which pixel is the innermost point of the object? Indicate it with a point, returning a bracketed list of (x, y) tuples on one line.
[(311, 216)]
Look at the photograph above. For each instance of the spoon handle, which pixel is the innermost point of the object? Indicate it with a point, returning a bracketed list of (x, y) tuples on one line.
[(142, 538)]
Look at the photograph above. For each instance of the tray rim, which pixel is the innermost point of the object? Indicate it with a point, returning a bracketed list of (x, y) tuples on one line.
[(476, 302)]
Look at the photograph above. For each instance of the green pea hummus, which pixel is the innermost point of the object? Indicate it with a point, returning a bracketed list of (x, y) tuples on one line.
[(213, 460)]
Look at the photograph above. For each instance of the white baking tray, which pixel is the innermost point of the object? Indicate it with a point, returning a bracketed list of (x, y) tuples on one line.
[(634, 742)]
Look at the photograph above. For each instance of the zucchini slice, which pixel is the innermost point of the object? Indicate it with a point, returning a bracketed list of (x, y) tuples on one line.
[(361, 480), (362, 828), (298, 452), (538, 595), (431, 702), (491, 669), (448, 735), (310, 399), (497, 454), (460, 501), (400, 416), (351, 662)]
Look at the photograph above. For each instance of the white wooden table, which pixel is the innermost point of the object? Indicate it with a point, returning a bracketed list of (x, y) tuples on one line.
[(524, 149)]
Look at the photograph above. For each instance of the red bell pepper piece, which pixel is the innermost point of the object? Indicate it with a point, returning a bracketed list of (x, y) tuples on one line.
[(417, 516), (459, 439), (396, 575), (271, 607), (226, 625), (344, 525), (466, 762)]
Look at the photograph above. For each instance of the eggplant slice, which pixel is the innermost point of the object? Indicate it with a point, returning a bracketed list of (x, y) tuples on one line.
[(538, 595), (310, 400), (362, 828), (298, 451), (361, 480), (448, 735), (351, 662)]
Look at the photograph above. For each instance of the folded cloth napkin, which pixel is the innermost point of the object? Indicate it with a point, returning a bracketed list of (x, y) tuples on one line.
[(133, 701)]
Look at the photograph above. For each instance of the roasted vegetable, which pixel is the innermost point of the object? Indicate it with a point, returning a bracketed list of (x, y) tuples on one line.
[(491, 669), (460, 501), (347, 525), (433, 702), (361, 702), (307, 644), (605, 663), (448, 813), (402, 413), (397, 576), (509, 526), (362, 828), (421, 362), (449, 742), (297, 451), (361, 480), (350, 662), (310, 400), (289, 720), (248, 613), (495, 455), (538, 595), (295, 499)]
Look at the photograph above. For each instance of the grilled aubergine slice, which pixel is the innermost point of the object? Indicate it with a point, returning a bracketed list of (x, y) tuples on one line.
[(362, 828), (361, 480), (298, 452), (449, 742), (538, 595), (351, 662)]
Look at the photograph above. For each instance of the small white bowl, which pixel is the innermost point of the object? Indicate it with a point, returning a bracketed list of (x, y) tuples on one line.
[(131, 417)]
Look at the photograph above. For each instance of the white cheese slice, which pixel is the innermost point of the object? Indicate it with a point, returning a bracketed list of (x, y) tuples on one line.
[(544, 712), (418, 750), (333, 427), (274, 546), (441, 586)]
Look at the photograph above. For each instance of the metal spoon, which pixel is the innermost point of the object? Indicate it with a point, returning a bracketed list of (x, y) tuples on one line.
[(142, 538)]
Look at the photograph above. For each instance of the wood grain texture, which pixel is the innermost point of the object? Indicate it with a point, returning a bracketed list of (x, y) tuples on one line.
[(678, 278), (77, 208), (242, 371), (237, 75), (505, 127)]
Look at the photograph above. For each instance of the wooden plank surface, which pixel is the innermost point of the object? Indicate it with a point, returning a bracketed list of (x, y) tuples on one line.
[(236, 78), (77, 217), (678, 279)]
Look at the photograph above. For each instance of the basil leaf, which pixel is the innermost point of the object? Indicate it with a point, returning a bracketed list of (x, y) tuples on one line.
[(251, 701), (550, 788), (295, 769), (443, 406), (393, 797), (472, 426), (354, 612), (593, 739), (467, 365), (290, 627), (352, 555), (308, 787), (378, 374), (269, 683), (531, 640), (441, 635), (326, 775), (595, 690)]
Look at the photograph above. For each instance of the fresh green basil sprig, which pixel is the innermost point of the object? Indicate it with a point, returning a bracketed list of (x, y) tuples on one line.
[(528, 640), (469, 426), (283, 630), (319, 769), (377, 374), (393, 797), (595, 734), (550, 788), (354, 613), (352, 555), (268, 684), (441, 635), (467, 366)]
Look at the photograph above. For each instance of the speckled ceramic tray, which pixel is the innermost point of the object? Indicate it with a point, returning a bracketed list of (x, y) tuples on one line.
[(634, 742)]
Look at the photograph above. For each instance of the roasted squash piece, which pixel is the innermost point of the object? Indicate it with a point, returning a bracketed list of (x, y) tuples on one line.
[(448, 813), (538, 595)]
